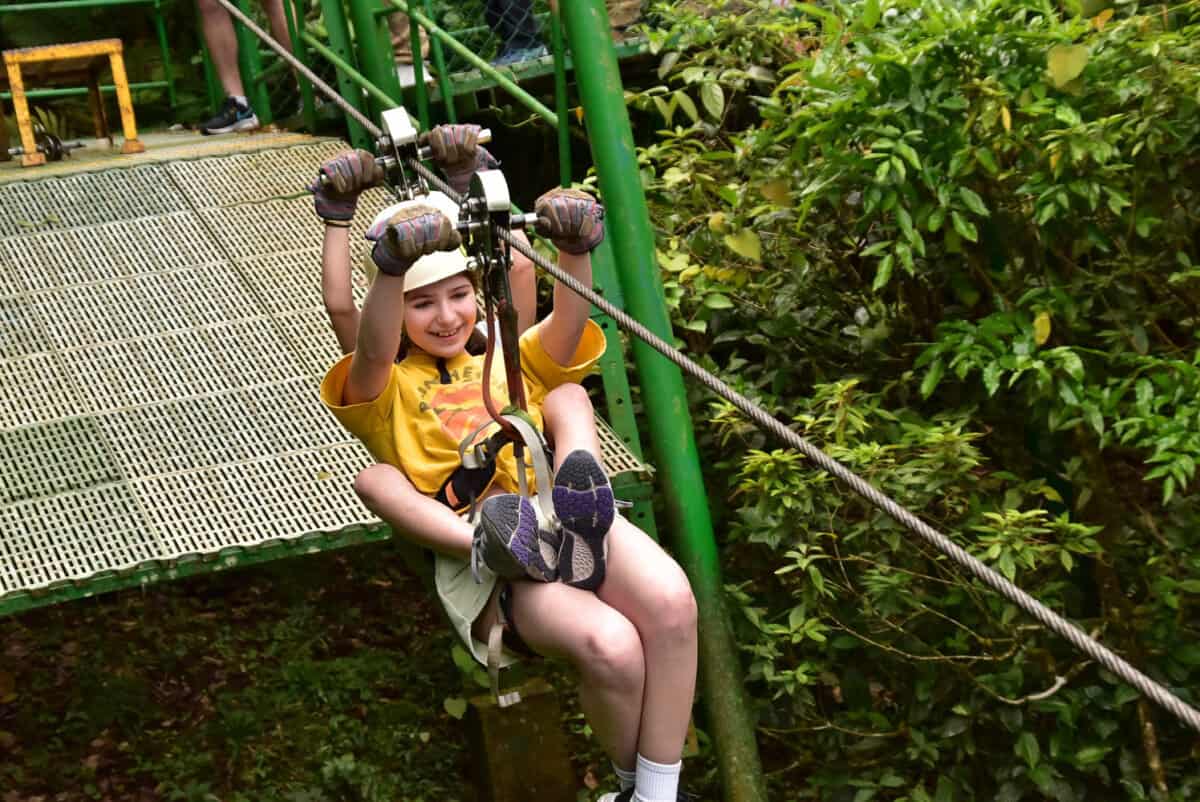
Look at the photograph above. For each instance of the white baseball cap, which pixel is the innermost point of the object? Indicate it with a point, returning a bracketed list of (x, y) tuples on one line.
[(430, 268)]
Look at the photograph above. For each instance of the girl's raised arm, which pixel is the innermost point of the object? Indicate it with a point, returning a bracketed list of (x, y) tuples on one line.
[(574, 222), (413, 231), (335, 196)]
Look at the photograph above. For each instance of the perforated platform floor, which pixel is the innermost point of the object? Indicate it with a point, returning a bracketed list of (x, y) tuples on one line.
[(161, 345)]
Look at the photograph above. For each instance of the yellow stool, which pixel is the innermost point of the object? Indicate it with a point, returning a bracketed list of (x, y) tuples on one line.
[(68, 63)]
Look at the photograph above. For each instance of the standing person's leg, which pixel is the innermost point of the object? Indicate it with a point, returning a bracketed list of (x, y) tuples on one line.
[(402, 50), (279, 29), (278, 20), (222, 45), (235, 113), (622, 14)]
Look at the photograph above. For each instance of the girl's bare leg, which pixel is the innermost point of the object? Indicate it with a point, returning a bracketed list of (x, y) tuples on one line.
[(649, 588), (567, 623), (388, 493), (570, 421)]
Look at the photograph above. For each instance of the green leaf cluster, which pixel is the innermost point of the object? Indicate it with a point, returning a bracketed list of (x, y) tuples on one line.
[(955, 243)]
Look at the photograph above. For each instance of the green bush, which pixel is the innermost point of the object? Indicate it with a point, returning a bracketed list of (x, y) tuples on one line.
[(955, 243)]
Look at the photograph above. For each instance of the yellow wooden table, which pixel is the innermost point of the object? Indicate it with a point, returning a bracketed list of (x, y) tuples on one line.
[(68, 63)]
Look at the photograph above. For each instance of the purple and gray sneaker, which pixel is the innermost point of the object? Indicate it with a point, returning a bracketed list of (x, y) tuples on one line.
[(509, 540), (584, 502)]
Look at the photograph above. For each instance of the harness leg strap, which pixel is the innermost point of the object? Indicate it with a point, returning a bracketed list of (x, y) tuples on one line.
[(495, 648)]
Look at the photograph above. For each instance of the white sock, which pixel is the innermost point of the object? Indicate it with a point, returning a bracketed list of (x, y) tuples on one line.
[(657, 782), (240, 100), (624, 778)]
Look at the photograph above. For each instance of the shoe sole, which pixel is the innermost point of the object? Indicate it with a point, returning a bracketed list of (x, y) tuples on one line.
[(584, 501), (247, 124), (511, 524)]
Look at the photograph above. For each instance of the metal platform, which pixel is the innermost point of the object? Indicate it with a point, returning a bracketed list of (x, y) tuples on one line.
[(161, 346)]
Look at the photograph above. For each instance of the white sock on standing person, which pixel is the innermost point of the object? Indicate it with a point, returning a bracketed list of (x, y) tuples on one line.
[(656, 782)]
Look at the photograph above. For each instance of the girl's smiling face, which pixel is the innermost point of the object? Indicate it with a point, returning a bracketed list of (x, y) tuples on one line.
[(439, 317)]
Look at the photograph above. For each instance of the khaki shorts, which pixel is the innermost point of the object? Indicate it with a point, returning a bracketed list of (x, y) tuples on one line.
[(464, 600)]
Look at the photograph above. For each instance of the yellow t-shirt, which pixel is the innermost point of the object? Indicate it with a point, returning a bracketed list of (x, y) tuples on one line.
[(430, 405)]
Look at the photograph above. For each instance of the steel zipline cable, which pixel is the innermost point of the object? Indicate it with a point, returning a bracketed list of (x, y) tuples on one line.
[(1043, 614)]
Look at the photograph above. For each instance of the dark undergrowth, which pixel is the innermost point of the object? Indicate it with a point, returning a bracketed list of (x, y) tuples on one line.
[(317, 679)]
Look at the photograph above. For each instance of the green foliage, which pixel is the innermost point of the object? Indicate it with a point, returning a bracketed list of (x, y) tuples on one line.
[(955, 244)]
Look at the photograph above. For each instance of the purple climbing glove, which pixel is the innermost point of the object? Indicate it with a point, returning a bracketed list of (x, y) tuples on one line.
[(346, 175), (457, 151), (573, 220), (408, 235)]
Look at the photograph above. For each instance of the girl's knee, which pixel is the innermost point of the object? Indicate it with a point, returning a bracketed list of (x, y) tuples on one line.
[(374, 482), (567, 398), (675, 611), (612, 654)]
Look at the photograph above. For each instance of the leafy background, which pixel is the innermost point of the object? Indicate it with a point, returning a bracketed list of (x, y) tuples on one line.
[(955, 243)]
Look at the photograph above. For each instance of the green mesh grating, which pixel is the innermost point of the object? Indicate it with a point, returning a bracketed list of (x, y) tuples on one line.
[(162, 338)]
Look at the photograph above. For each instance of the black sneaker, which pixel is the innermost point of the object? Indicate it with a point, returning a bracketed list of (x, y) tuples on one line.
[(233, 116), (627, 796)]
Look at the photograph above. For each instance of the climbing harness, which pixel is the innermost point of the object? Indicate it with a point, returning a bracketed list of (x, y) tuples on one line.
[(1056, 623)]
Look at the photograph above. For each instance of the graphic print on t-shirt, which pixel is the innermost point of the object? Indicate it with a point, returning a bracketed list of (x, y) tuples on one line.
[(459, 405)]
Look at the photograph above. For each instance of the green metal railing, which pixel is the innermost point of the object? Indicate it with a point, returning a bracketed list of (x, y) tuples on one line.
[(160, 31)]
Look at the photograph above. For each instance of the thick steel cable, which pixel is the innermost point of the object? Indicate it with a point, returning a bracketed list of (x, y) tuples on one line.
[(1043, 614)]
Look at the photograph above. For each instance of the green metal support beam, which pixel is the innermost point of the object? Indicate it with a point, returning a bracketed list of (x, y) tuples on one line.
[(160, 30), (373, 45), (250, 66), (355, 78), (83, 90), (231, 558), (295, 19), (663, 394), (561, 107), (341, 50), (439, 66)]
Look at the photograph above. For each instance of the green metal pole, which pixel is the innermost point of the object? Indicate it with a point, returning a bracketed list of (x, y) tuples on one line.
[(295, 23), (558, 47), (339, 40), (663, 394), (164, 48), (439, 64), (250, 64), (19, 8), (356, 79), (419, 89), (83, 90), (374, 49)]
